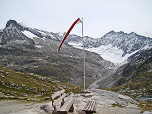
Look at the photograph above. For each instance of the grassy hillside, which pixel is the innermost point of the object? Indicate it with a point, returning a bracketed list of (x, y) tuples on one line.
[(28, 86), (140, 84)]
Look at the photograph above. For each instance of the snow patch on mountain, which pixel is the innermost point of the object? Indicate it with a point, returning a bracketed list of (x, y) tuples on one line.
[(107, 52), (115, 47), (28, 34), (39, 46), (45, 33), (76, 44), (61, 34), (110, 53)]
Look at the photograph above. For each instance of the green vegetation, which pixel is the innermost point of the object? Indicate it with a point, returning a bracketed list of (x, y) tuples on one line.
[(135, 88), (145, 106), (138, 82), (28, 86)]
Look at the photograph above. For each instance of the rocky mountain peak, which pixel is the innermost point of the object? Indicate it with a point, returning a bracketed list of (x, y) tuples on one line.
[(114, 46), (112, 31), (11, 22), (117, 45), (132, 33), (12, 35)]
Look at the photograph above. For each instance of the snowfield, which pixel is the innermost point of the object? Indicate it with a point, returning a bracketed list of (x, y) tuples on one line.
[(110, 53), (29, 34)]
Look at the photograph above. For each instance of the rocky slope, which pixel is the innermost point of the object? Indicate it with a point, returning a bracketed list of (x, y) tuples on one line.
[(113, 46), (31, 50), (134, 78), (11, 35)]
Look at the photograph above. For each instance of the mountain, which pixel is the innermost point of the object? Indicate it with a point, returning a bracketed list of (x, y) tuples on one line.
[(32, 50), (133, 78), (115, 47), (11, 35)]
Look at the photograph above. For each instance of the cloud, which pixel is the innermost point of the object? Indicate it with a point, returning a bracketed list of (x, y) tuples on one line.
[(100, 16)]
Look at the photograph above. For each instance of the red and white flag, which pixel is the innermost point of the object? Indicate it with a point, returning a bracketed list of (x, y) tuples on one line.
[(76, 22)]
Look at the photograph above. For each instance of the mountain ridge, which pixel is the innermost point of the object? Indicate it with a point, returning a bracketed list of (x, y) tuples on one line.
[(41, 56), (115, 47), (133, 78), (111, 43), (69, 61)]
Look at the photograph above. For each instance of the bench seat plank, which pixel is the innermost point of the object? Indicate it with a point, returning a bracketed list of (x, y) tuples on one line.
[(59, 99), (67, 105), (57, 94), (90, 107)]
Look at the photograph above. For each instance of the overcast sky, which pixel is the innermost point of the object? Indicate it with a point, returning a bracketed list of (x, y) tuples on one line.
[(99, 16)]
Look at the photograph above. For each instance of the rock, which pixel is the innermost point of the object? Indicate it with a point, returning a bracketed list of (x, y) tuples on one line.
[(47, 107)]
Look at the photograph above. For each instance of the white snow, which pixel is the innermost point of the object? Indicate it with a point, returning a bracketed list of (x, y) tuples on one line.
[(44, 33), (76, 44), (39, 46), (61, 34), (44, 38), (29, 34), (107, 52), (110, 53)]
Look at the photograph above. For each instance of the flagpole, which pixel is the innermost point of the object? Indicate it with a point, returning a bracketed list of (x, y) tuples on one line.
[(83, 55)]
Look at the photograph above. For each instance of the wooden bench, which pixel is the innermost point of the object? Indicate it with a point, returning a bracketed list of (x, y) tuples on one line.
[(90, 107), (65, 106), (68, 106)]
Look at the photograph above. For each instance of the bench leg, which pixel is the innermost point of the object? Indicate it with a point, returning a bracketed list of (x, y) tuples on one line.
[(62, 103), (55, 110), (62, 113), (88, 112), (71, 108)]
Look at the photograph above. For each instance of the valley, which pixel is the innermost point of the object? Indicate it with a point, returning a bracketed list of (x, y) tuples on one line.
[(31, 68)]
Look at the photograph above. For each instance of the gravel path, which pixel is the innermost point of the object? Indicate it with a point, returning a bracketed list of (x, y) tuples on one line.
[(105, 100), (95, 84), (20, 107)]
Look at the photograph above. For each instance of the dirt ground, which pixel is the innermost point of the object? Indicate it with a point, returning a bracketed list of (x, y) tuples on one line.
[(104, 100)]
